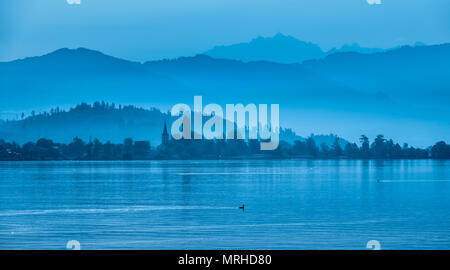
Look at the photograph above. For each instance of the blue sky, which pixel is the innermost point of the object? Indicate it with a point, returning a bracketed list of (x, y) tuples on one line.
[(145, 30)]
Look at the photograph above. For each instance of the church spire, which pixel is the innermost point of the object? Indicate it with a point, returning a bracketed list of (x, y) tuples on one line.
[(165, 135)]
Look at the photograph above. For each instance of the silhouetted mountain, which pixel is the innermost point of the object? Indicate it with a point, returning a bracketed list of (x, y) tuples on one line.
[(72, 76), (226, 81), (69, 76), (417, 75), (340, 80), (279, 48)]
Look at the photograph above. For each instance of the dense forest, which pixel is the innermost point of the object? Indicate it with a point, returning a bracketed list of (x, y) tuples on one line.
[(78, 149)]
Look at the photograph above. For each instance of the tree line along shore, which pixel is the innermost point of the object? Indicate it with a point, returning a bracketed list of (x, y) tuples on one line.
[(380, 148)]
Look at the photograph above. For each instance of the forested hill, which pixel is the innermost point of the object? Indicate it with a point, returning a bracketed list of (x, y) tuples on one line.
[(101, 120), (108, 122)]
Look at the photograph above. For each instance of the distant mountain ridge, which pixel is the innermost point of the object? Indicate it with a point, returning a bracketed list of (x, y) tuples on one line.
[(70, 76), (376, 91), (281, 49), (414, 74)]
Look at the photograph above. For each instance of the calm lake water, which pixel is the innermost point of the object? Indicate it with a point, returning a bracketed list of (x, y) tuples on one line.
[(194, 204)]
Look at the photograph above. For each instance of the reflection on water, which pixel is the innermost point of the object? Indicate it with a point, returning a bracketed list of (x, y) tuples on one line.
[(295, 204)]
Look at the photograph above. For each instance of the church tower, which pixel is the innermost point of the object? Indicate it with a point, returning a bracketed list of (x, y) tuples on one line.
[(165, 135)]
